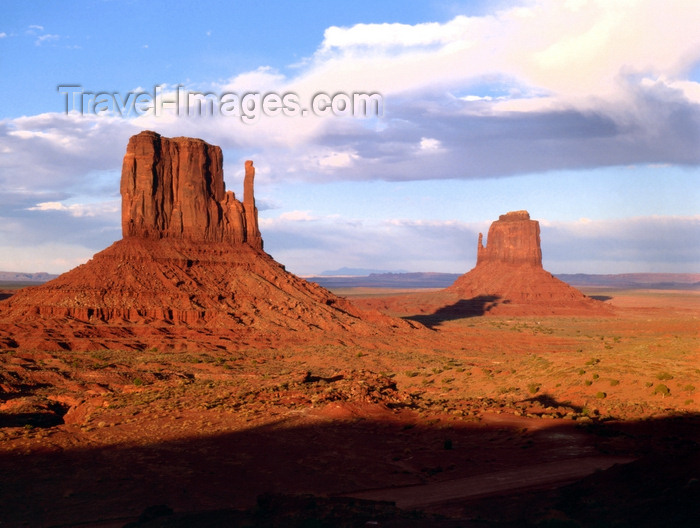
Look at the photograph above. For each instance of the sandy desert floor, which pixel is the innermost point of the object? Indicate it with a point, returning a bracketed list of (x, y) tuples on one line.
[(476, 421)]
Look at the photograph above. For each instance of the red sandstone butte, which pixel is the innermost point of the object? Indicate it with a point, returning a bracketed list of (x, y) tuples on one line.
[(174, 188), (513, 239), (508, 279), (190, 268), (509, 272)]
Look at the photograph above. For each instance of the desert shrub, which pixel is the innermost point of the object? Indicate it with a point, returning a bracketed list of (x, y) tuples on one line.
[(593, 361), (614, 382), (596, 376), (588, 383), (664, 376), (411, 373), (648, 384), (138, 381), (689, 388), (533, 388), (600, 395), (581, 372), (662, 389)]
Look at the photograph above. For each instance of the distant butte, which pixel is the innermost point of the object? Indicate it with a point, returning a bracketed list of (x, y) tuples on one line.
[(189, 268), (508, 279), (513, 239), (509, 276)]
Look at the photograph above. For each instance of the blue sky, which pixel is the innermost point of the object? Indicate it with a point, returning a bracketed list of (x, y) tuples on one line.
[(586, 113)]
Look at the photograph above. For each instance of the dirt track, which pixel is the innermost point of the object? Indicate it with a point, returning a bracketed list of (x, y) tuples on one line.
[(498, 482)]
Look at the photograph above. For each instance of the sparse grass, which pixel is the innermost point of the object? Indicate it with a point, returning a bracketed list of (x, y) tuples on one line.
[(664, 376), (662, 389)]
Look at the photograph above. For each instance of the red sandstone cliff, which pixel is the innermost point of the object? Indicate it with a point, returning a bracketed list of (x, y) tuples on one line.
[(174, 188)]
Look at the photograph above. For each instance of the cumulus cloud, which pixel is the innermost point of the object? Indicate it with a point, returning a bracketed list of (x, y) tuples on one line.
[(80, 209), (53, 151), (537, 86)]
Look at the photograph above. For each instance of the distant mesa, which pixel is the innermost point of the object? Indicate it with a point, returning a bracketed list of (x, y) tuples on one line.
[(190, 265)]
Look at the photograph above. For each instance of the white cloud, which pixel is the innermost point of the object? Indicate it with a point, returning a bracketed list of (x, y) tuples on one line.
[(51, 257), (79, 209), (430, 144), (42, 39), (398, 35), (3, 34), (337, 160), (297, 216)]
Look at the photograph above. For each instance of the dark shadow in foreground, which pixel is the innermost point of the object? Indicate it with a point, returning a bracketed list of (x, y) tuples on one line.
[(262, 477), (462, 309)]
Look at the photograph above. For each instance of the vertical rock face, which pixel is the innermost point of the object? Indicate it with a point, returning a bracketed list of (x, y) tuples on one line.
[(512, 239), (174, 188)]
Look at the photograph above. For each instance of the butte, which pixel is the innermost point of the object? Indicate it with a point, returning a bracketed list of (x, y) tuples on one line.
[(190, 269), (508, 279)]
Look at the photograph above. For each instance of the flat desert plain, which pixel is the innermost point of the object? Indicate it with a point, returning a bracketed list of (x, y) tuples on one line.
[(474, 421)]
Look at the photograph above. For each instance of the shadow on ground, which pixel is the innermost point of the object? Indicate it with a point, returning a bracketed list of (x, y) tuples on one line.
[(462, 309), (601, 298), (545, 400), (254, 477)]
